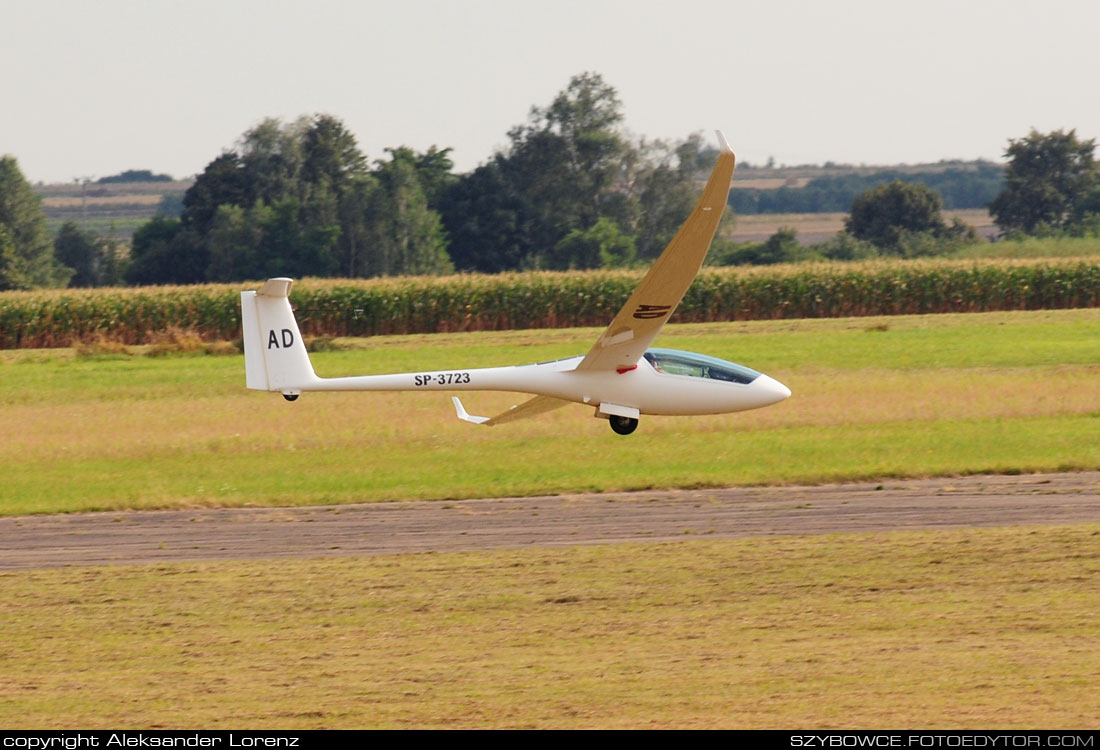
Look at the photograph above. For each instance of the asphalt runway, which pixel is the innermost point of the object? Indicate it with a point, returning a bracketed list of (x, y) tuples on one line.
[(79, 539)]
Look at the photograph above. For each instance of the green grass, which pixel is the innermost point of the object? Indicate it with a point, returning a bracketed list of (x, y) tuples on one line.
[(873, 397), (950, 629), (1034, 247)]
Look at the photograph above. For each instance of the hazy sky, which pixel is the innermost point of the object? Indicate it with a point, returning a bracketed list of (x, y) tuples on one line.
[(92, 88)]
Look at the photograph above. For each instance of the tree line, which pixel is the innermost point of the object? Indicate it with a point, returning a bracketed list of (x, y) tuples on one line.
[(568, 190)]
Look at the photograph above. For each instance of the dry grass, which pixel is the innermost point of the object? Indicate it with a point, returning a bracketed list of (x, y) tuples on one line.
[(173, 340), (953, 629), (100, 345), (177, 340)]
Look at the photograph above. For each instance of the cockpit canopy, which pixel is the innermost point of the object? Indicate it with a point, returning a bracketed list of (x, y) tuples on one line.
[(675, 362)]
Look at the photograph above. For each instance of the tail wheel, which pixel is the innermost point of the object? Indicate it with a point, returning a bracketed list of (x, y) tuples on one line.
[(623, 425), (290, 396)]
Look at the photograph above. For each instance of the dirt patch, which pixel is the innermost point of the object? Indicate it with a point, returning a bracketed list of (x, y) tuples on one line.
[(391, 528)]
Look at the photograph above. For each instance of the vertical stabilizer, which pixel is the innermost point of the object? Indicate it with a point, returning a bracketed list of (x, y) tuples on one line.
[(274, 353)]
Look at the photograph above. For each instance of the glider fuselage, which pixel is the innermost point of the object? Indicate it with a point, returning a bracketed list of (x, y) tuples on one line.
[(644, 388)]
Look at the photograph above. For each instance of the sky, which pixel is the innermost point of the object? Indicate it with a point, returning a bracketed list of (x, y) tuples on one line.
[(89, 89)]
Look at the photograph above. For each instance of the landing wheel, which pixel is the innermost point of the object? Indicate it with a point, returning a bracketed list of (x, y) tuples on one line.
[(623, 425), (290, 396)]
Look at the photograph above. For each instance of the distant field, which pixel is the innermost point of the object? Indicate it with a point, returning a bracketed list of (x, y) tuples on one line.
[(70, 201), (816, 228), (119, 225), (115, 209), (873, 397), (769, 183)]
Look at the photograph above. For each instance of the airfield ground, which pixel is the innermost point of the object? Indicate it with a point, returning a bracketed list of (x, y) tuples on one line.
[(964, 600)]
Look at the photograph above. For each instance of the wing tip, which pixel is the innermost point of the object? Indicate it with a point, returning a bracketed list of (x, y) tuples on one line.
[(723, 143)]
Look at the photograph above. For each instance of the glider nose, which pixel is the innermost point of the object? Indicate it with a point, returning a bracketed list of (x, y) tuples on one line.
[(771, 390)]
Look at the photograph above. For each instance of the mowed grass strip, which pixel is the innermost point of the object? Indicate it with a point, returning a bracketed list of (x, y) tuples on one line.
[(930, 395), (949, 629)]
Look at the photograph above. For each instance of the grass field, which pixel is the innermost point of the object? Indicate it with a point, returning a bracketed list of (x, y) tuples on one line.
[(950, 629), (954, 629), (873, 397)]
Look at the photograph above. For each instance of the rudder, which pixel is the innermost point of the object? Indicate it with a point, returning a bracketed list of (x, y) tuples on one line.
[(274, 353)]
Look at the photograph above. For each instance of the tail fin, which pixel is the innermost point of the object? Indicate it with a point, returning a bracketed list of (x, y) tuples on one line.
[(275, 357)]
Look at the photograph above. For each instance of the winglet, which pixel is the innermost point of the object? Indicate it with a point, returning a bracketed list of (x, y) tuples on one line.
[(462, 414), (723, 142)]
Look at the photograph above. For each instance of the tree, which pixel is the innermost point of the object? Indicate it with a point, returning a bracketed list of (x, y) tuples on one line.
[(233, 243), (567, 160), (353, 246), (135, 175), (406, 236), (164, 251), (666, 193), (77, 250), (565, 170), (97, 260), (602, 245), (331, 156), (1047, 180), (885, 214), (223, 182), (26, 248), (271, 155), (292, 199), (486, 221), (781, 247), (433, 167), (843, 246)]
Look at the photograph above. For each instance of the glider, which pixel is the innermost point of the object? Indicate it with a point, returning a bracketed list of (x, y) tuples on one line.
[(621, 376)]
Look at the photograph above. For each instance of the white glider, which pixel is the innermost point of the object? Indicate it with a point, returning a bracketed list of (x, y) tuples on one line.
[(621, 376)]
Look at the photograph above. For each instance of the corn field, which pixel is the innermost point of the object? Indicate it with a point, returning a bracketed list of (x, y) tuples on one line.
[(553, 300)]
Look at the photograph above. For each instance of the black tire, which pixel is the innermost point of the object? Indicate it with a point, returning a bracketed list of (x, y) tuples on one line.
[(291, 396), (623, 425)]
